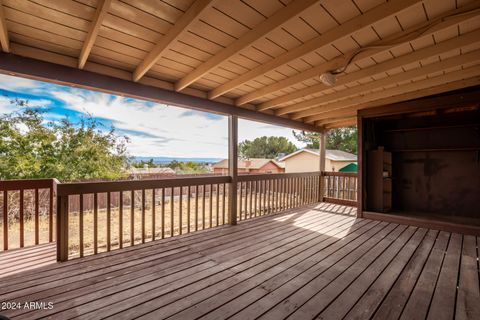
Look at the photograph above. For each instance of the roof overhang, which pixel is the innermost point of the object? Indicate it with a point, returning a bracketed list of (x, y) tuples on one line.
[(261, 61)]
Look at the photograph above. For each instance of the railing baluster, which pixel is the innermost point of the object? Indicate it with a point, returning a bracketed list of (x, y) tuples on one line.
[(268, 187), (81, 225), (132, 217), (240, 202), (143, 215), (210, 209), (120, 220), (196, 207), (109, 209), (203, 206), (153, 214), (172, 211), (218, 204), (37, 226), (189, 190), (251, 196), (264, 196), (224, 205), (5, 220), (180, 212), (255, 201), (277, 195), (246, 201), (95, 223), (22, 222), (50, 213), (163, 213)]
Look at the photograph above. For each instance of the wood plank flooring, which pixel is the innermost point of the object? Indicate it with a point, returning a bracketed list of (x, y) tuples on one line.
[(317, 262)]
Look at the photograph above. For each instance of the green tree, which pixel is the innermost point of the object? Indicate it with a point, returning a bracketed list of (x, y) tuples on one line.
[(265, 147), (187, 167), (141, 164), (344, 139), (31, 147)]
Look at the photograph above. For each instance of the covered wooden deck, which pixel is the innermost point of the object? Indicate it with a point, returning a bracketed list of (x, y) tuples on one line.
[(314, 262)]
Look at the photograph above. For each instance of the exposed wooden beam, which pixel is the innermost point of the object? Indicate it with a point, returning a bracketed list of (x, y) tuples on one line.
[(353, 25), (411, 87), (468, 97), (344, 123), (292, 10), (310, 105), (323, 118), (100, 13), (427, 52), (4, 40), (59, 74), (463, 14), (189, 17)]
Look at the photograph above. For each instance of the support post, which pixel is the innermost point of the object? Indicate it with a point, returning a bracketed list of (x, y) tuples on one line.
[(62, 228), (361, 167), (322, 153), (232, 167)]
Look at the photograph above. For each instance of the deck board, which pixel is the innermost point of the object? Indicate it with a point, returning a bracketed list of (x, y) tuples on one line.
[(306, 263)]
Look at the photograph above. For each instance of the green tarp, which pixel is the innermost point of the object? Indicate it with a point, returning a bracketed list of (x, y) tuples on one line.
[(352, 167)]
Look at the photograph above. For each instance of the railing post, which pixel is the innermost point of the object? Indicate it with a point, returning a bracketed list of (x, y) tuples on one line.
[(62, 228), (232, 167), (322, 154)]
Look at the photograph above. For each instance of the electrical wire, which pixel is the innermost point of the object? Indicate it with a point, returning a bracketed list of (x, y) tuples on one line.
[(417, 33)]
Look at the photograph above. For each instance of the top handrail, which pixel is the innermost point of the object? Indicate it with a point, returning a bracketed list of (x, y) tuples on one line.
[(274, 176), (339, 174), (11, 185), (66, 189)]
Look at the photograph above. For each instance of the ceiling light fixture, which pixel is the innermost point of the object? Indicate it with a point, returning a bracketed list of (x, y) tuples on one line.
[(328, 78)]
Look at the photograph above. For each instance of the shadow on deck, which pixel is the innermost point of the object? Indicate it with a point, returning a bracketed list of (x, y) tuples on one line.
[(317, 261)]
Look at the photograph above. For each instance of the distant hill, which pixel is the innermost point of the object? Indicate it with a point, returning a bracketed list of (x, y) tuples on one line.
[(165, 160)]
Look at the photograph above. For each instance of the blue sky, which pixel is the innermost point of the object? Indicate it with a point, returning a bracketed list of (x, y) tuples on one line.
[(154, 129)]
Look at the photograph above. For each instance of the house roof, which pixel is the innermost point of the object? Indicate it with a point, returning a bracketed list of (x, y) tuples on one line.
[(334, 155), (226, 51), (148, 171), (252, 163)]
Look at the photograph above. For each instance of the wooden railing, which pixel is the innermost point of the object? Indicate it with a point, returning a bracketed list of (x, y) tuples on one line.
[(28, 214), (271, 193), (136, 212), (340, 188), (94, 217)]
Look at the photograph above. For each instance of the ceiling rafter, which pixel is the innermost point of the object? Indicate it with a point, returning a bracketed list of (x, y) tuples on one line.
[(406, 59), (325, 118), (339, 123), (283, 15), (100, 13), (340, 61), (387, 81), (186, 20), (4, 39), (351, 26), (411, 87)]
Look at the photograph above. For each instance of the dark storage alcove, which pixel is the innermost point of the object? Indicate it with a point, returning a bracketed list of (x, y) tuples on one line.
[(435, 162)]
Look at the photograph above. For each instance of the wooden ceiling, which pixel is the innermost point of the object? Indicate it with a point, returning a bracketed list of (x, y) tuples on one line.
[(260, 55)]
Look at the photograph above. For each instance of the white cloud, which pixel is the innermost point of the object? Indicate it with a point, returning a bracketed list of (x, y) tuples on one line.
[(15, 83), (154, 129), (167, 130), (6, 106)]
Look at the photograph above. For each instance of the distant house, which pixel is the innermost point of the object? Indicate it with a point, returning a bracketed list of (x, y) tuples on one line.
[(149, 173), (307, 160), (253, 165)]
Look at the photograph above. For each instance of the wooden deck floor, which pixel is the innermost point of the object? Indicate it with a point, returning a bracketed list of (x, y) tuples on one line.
[(306, 264)]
